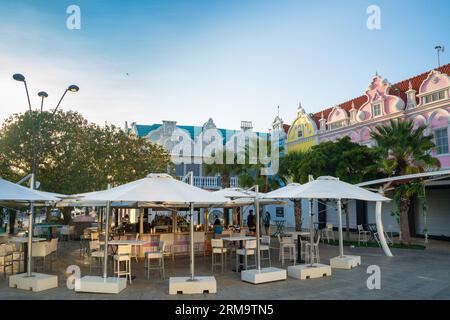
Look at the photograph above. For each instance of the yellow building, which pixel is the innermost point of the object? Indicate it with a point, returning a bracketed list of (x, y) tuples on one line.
[(302, 135)]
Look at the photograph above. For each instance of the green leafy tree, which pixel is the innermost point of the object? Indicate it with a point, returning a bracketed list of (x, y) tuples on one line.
[(404, 151), (75, 156), (344, 159)]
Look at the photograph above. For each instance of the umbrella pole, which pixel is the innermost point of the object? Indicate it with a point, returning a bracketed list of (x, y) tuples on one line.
[(341, 241), (30, 231), (258, 229), (191, 214), (311, 231), (105, 257)]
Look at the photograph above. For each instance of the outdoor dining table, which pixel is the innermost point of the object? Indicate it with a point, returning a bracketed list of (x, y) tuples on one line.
[(125, 243), (24, 244), (299, 234), (241, 240)]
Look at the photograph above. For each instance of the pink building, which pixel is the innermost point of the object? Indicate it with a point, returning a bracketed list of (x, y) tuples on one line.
[(425, 99)]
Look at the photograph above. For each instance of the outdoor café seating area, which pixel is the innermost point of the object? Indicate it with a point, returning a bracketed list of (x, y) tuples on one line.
[(150, 225)]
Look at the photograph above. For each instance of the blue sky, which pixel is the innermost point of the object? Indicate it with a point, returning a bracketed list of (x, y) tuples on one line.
[(226, 59)]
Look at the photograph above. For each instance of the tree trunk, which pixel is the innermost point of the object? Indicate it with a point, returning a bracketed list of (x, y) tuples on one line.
[(12, 220), (225, 180), (67, 215), (298, 214), (347, 221), (405, 203), (48, 214)]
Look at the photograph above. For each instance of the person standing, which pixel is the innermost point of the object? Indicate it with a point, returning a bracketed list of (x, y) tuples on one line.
[(267, 223), (217, 226), (251, 224)]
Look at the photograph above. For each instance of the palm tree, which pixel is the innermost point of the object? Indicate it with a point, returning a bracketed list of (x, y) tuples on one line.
[(289, 171), (404, 151)]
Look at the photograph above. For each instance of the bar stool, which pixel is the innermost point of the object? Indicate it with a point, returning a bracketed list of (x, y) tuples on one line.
[(248, 250), (286, 243), (135, 249), (96, 255), (159, 254), (123, 255), (218, 248), (265, 247)]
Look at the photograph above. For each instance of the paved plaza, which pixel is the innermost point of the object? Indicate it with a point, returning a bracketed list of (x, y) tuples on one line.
[(410, 274)]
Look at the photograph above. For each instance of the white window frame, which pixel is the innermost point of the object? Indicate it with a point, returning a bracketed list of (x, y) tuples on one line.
[(436, 141), (377, 104)]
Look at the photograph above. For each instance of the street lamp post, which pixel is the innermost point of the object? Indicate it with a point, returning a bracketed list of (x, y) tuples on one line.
[(36, 150)]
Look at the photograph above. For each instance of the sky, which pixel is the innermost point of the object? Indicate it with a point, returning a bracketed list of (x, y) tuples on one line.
[(231, 60)]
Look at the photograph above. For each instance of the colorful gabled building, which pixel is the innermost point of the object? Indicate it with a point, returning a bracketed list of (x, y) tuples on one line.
[(424, 99)]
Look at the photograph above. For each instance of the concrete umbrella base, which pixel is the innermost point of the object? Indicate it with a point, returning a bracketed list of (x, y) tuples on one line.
[(345, 262), (199, 285), (97, 284), (37, 282), (306, 271), (264, 275)]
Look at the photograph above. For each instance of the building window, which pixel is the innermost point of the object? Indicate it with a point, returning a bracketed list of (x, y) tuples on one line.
[(441, 137), (300, 132), (337, 124), (376, 110), (432, 97)]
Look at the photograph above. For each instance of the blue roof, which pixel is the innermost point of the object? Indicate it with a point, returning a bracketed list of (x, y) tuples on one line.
[(143, 130)]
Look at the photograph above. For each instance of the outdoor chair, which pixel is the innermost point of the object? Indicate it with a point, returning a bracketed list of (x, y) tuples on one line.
[(328, 233), (6, 259), (265, 247), (315, 252), (217, 248), (363, 235), (386, 236), (248, 250), (123, 254), (17, 255), (152, 255), (40, 251), (286, 243), (135, 249), (96, 255)]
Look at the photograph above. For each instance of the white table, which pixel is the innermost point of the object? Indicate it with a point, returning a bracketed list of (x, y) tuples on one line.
[(241, 240), (24, 244), (25, 240)]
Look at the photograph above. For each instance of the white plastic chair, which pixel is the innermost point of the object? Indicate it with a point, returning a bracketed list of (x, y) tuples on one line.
[(96, 254), (315, 251), (363, 235), (40, 250), (265, 247), (123, 255), (286, 243), (328, 233), (217, 247), (159, 255), (248, 250)]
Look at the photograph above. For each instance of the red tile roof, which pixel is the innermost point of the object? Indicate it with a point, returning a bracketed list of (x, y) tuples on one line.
[(403, 86)]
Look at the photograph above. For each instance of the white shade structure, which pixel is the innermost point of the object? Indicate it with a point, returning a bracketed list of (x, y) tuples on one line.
[(13, 192), (333, 188), (157, 189)]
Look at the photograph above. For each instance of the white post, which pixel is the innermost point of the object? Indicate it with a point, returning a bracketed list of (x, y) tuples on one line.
[(105, 257), (380, 230), (191, 214), (258, 231), (341, 240), (30, 232), (311, 231)]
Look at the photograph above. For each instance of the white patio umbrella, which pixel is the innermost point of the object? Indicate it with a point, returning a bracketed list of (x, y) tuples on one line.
[(160, 190), (333, 188), (12, 192)]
